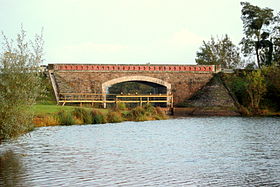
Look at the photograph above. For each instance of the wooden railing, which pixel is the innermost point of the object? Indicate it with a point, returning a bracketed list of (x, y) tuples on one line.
[(114, 98)]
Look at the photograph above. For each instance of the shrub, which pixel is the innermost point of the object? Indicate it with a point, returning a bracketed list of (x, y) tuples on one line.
[(98, 117), (137, 114), (83, 114), (121, 106), (65, 118), (244, 111), (46, 120), (160, 113), (115, 117), (20, 83), (149, 109), (256, 89)]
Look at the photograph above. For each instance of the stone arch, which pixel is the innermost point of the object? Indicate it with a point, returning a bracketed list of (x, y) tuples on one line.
[(109, 83)]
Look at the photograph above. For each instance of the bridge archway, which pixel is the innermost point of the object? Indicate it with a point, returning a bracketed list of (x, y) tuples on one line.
[(110, 83)]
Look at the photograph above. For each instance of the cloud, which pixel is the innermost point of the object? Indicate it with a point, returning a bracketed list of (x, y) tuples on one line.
[(185, 38)]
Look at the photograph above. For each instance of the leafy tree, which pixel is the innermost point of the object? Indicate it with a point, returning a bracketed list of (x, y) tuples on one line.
[(256, 88), (258, 26), (276, 39), (19, 83), (221, 52), (272, 76)]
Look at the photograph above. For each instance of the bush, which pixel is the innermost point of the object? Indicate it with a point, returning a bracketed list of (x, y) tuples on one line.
[(121, 106), (83, 114), (256, 89), (149, 109), (160, 113), (13, 123), (98, 117), (237, 84), (115, 117), (20, 83), (45, 120), (137, 114), (65, 118)]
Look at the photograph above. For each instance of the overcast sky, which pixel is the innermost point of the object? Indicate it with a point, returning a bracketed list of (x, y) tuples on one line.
[(125, 31)]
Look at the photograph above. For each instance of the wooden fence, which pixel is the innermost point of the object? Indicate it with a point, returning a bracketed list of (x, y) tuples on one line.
[(113, 98)]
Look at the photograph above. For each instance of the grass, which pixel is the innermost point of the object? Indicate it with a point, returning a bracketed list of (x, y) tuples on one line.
[(39, 109), (49, 115)]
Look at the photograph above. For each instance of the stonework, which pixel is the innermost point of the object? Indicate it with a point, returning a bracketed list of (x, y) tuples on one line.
[(182, 83)]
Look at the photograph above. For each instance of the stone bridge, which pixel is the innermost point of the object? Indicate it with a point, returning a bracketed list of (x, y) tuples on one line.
[(180, 80)]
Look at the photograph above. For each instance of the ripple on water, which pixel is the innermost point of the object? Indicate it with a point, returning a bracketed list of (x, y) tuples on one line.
[(213, 151)]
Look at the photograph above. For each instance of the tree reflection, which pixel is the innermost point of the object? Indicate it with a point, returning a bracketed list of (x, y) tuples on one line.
[(10, 169)]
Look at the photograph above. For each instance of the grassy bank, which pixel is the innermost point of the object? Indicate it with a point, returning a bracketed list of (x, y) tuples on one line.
[(52, 115)]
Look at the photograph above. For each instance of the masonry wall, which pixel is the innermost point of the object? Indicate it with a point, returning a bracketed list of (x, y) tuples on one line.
[(183, 84)]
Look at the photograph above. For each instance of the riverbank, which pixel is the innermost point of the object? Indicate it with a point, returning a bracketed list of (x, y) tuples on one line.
[(222, 112), (53, 115)]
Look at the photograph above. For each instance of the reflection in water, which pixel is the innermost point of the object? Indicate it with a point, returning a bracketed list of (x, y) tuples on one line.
[(214, 151), (11, 169)]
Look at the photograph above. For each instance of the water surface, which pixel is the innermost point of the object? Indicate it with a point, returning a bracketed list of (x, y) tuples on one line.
[(212, 151)]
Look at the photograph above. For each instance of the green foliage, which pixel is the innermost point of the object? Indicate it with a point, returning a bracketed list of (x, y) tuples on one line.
[(136, 87), (237, 85), (256, 88), (260, 27), (221, 52), (121, 106), (83, 114), (48, 98), (137, 114), (160, 114), (276, 39), (98, 117), (272, 76), (65, 118), (114, 117), (148, 112), (20, 83), (149, 109)]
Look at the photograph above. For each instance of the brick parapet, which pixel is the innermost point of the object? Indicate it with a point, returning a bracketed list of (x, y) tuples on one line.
[(133, 68)]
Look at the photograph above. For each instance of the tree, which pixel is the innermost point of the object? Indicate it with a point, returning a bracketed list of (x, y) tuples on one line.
[(221, 52), (258, 29), (256, 88), (276, 39), (19, 83)]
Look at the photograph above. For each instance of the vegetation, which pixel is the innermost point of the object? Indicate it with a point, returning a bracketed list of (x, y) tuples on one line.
[(148, 112), (137, 87), (115, 117), (83, 115), (221, 52), (256, 90), (65, 118), (261, 30), (63, 115), (20, 83), (98, 117)]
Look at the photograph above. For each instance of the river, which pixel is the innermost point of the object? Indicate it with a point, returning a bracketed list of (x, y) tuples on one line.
[(203, 151)]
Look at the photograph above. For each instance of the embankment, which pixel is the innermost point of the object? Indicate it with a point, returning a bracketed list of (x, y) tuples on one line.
[(214, 99), (58, 115)]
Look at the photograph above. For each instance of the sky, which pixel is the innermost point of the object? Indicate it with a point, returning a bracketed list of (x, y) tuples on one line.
[(125, 31)]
